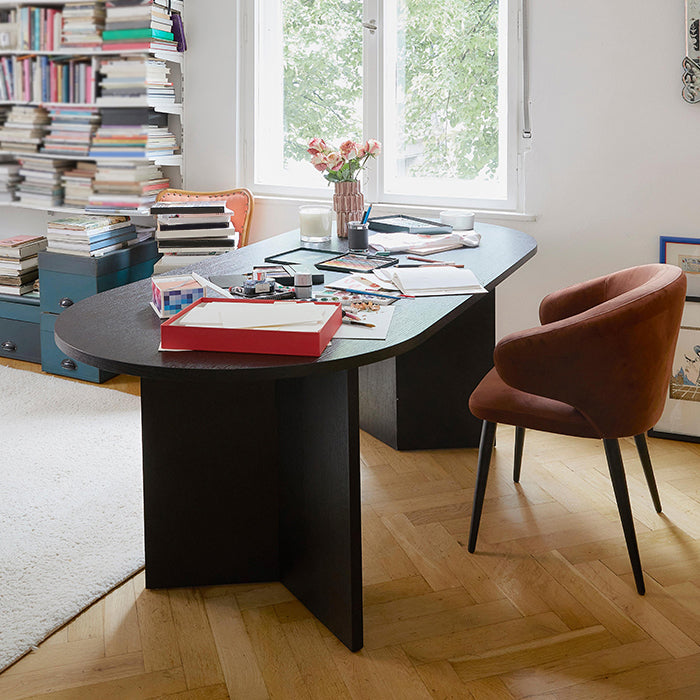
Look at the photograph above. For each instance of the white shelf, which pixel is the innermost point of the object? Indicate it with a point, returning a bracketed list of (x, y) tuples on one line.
[(78, 210), (166, 161), (177, 5), (170, 56), (163, 107)]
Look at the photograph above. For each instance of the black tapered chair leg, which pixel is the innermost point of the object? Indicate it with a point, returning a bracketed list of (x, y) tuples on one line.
[(518, 454), (619, 482), (488, 434), (643, 451)]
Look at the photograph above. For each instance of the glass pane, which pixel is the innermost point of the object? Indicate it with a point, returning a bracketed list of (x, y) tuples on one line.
[(443, 109), (309, 84)]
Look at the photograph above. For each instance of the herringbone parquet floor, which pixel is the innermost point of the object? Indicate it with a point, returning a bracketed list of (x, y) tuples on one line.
[(546, 608)]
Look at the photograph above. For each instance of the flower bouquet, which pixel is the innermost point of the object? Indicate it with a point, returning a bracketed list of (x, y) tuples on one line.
[(341, 167)]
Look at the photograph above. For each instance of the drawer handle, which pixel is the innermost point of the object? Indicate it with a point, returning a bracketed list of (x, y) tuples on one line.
[(9, 346), (68, 364), (65, 303)]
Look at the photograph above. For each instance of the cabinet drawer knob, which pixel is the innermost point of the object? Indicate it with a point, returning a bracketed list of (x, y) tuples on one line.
[(65, 303), (69, 364), (8, 346)]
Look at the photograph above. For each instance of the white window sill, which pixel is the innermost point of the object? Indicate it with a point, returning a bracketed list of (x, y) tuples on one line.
[(483, 215)]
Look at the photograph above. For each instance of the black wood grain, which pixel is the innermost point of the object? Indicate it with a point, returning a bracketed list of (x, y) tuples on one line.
[(118, 331)]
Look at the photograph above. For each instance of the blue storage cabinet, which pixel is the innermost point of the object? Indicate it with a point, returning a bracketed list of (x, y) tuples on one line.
[(66, 279), (19, 327)]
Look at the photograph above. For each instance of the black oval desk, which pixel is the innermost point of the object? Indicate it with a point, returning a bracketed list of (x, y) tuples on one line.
[(251, 462)]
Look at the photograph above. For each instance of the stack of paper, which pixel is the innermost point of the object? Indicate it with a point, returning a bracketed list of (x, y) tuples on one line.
[(432, 281), (400, 242)]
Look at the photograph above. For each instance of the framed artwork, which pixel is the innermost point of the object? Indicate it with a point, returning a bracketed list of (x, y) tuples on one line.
[(684, 252), (681, 417)]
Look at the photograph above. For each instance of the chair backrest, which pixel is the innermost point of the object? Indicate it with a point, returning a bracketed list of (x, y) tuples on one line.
[(612, 358), (240, 201)]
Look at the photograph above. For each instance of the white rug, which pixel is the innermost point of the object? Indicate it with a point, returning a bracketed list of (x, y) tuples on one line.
[(71, 512)]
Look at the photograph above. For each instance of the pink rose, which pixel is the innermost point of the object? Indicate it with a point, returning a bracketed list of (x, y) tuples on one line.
[(348, 149), (372, 148), (317, 145), (335, 160), (318, 160)]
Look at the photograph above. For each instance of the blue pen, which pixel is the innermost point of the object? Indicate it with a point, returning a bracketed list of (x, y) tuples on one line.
[(366, 216)]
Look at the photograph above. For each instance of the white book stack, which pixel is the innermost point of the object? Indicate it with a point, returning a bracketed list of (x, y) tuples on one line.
[(9, 179), (83, 24), (41, 184), (71, 130), (136, 80), (77, 184), (24, 129), (139, 141), (125, 186)]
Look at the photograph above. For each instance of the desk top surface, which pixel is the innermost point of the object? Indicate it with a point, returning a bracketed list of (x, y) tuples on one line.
[(118, 331)]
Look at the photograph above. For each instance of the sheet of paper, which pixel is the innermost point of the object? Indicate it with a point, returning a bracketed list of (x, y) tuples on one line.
[(278, 315), (381, 320)]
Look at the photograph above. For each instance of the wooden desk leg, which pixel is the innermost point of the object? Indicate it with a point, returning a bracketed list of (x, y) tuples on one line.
[(320, 534), (210, 483), (419, 400)]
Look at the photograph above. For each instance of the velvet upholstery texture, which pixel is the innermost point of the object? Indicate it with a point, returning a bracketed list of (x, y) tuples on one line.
[(239, 201), (600, 363)]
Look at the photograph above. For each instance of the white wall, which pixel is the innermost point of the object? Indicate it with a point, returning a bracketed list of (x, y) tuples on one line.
[(615, 150)]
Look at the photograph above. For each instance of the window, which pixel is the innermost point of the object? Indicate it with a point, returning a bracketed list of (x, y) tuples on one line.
[(434, 82)]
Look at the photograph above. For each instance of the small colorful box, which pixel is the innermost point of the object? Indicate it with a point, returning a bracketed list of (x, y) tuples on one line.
[(170, 295)]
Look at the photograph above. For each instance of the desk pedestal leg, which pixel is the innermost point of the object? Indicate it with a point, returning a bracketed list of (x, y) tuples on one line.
[(419, 400), (320, 535), (210, 483)]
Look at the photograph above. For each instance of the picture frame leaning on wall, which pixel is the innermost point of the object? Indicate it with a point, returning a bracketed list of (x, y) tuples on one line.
[(681, 417)]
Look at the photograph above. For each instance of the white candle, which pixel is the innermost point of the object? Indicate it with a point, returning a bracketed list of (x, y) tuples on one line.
[(459, 219), (315, 222)]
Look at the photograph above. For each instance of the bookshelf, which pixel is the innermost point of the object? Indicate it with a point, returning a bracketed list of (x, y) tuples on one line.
[(39, 72)]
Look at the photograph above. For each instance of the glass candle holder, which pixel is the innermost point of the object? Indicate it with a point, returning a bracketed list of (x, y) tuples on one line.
[(315, 223), (358, 237)]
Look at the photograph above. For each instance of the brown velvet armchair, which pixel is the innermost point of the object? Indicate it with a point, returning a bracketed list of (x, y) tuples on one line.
[(597, 367)]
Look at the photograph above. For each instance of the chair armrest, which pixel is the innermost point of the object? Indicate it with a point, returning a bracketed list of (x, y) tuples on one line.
[(573, 300)]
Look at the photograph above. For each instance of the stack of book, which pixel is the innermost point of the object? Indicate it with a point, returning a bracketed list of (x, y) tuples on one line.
[(135, 80), (140, 25), (9, 177), (185, 231), (71, 131), (137, 141), (77, 184), (19, 267), (83, 23), (41, 185), (89, 235), (124, 185), (24, 129)]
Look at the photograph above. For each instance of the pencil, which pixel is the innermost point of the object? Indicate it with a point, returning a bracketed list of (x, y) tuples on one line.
[(371, 294), (352, 322), (450, 263)]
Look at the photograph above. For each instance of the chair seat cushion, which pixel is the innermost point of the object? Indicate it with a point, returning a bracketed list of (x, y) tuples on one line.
[(493, 400)]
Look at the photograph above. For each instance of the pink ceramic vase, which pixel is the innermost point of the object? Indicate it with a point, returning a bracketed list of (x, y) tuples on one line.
[(349, 205)]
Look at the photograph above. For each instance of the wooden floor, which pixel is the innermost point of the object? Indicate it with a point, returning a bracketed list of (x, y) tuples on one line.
[(546, 608)]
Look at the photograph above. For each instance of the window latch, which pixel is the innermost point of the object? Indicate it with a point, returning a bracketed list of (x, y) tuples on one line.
[(371, 25)]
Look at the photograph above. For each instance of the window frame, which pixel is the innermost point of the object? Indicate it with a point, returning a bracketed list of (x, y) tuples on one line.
[(373, 111)]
